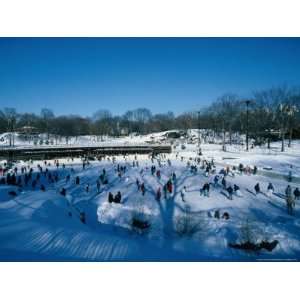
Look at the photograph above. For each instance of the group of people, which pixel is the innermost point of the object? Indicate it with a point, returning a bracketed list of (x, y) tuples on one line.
[(25, 175), (290, 196), (114, 199)]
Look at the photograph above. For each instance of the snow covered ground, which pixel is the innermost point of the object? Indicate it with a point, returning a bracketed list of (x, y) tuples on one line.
[(37, 225)]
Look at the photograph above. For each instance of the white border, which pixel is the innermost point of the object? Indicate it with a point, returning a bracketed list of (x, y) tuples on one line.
[(149, 280), (143, 281), (149, 18)]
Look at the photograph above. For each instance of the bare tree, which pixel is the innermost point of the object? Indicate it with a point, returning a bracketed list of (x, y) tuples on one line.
[(47, 115), (11, 119)]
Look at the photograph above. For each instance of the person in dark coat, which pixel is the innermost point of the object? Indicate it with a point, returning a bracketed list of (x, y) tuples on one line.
[(110, 197), (158, 194), (257, 188), (225, 216), (98, 186), (235, 188), (165, 191), (63, 192), (205, 189), (143, 189), (297, 194), (224, 183), (118, 197), (138, 184), (82, 217), (270, 189), (216, 180), (217, 214), (230, 192), (254, 170)]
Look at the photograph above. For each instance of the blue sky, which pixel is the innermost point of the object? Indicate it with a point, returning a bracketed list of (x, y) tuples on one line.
[(82, 75)]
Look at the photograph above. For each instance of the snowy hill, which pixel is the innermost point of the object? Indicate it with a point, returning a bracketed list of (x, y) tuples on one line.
[(38, 225)]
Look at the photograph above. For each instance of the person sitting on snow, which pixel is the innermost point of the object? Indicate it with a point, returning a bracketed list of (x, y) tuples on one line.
[(237, 190), (230, 192), (225, 216)]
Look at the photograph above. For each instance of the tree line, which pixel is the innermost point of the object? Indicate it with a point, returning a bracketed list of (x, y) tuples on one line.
[(269, 114)]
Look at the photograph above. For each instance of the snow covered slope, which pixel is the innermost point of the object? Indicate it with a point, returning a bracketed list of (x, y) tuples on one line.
[(38, 225)]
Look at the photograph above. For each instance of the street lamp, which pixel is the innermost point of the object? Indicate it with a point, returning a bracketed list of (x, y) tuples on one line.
[(247, 124), (199, 141)]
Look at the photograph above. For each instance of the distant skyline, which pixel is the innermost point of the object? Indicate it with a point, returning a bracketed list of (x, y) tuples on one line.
[(82, 75)]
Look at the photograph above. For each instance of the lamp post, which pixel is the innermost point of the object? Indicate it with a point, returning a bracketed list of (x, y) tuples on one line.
[(199, 140), (247, 125)]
